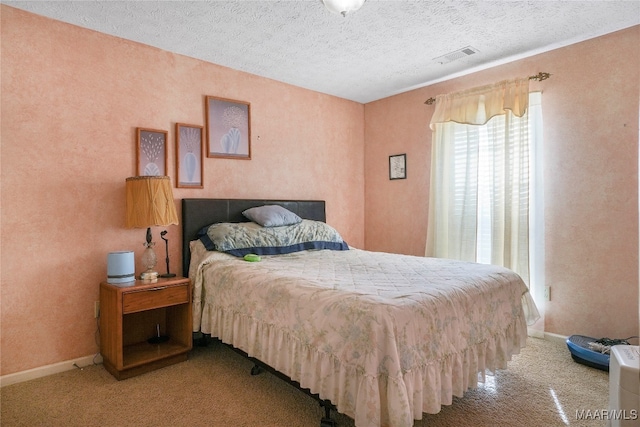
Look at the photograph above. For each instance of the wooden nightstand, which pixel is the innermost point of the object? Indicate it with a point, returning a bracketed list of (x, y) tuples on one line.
[(131, 316)]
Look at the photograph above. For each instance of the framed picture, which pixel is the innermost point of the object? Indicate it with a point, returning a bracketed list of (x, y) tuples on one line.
[(151, 153), (189, 146), (228, 128), (398, 166)]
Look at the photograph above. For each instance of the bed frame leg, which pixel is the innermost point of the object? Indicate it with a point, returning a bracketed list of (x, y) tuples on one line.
[(327, 421), (203, 341), (259, 367), (256, 370)]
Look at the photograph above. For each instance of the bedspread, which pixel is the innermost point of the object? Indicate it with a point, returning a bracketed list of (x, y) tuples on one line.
[(385, 337)]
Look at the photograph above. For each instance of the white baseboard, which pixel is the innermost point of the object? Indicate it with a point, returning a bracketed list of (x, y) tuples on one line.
[(535, 333), (44, 371), (555, 337)]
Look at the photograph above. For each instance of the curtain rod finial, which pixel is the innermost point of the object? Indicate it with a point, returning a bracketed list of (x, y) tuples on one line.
[(540, 76)]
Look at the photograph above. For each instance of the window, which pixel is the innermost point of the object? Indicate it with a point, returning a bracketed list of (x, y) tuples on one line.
[(485, 197)]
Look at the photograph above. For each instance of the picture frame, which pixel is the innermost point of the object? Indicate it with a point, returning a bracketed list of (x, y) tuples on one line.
[(151, 152), (228, 128), (189, 156), (398, 166)]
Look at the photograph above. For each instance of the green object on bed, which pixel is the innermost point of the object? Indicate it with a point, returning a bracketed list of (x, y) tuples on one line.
[(251, 258)]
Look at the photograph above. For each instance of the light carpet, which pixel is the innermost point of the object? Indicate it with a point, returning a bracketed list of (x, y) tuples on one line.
[(542, 387)]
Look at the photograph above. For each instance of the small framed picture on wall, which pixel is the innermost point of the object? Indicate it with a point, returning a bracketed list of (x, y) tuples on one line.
[(398, 166), (151, 152), (189, 148), (228, 128)]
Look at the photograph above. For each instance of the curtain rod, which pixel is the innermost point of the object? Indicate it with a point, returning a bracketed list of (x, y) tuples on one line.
[(540, 77)]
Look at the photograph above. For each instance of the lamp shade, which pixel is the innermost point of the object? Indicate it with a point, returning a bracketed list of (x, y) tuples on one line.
[(150, 202)]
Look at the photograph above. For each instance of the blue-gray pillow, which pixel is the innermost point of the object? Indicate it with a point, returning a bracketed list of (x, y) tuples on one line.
[(271, 216), (244, 238)]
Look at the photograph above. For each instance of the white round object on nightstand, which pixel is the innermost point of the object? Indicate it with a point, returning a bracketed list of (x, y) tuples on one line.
[(120, 267)]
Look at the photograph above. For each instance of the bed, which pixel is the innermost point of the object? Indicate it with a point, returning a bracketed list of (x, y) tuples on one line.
[(383, 337)]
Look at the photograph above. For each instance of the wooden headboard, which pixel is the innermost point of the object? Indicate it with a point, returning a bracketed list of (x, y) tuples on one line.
[(198, 213)]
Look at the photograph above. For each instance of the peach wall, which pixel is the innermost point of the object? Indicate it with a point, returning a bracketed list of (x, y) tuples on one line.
[(590, 113), (71, 100)]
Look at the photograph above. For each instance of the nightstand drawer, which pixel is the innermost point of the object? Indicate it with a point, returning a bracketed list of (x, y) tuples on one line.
[(161, 296)]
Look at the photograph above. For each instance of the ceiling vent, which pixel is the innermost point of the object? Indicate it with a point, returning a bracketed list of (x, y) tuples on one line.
[(455, 55)]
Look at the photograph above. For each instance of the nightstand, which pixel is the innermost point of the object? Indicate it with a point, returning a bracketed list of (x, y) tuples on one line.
[(132, 317)]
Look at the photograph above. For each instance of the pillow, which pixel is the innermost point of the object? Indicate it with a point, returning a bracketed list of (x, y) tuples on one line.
[(244, 238), (271, 216)]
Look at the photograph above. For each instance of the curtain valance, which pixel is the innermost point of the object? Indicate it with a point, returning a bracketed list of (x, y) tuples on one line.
[(476, 106)]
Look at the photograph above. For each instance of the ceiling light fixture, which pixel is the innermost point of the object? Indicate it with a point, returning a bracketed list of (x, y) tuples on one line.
[(342, 7)]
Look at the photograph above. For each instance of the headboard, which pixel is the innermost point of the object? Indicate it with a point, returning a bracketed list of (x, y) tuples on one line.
[(198, 213)]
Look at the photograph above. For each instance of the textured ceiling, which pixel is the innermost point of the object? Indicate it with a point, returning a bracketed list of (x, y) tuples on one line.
[(385, 48)]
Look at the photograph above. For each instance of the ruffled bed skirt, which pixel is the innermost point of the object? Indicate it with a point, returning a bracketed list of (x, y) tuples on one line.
[(372, 399)]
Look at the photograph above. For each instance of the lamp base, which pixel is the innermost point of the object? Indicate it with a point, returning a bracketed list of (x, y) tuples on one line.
[(149, 276)]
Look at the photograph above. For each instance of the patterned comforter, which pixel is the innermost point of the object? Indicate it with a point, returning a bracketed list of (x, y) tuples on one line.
[(385, 337)]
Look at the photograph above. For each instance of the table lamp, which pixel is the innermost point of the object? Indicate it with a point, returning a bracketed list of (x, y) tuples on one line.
[(149, 203)]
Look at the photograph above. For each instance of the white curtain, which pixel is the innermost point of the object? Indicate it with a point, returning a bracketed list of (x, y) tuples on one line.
[(536, 211), (480, 201)]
